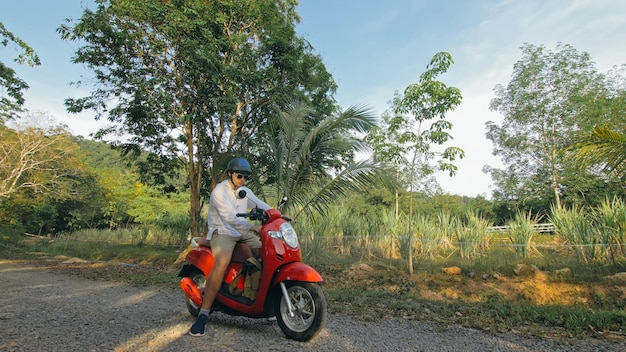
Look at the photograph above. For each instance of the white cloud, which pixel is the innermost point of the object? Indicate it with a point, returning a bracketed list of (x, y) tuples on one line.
[(486, 54)]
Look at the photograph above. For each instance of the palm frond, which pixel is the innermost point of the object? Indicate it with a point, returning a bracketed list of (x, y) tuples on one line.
[(357, 176), (603, 146), (356, 118), (308, 149)]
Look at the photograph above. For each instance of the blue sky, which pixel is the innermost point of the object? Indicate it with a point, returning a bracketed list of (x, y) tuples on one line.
[(373, 48)]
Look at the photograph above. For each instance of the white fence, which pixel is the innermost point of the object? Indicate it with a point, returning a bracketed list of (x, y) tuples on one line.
[(541, 228)]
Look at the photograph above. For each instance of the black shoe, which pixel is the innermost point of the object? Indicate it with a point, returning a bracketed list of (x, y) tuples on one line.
[(197, 329)]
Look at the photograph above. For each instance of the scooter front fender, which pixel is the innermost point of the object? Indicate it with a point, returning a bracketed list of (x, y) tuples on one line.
[(297, 271)]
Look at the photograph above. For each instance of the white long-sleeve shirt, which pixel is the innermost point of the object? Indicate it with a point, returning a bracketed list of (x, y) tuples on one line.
[(223, 206)]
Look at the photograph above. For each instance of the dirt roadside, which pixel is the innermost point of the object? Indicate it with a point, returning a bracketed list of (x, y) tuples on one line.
[(50, 311)]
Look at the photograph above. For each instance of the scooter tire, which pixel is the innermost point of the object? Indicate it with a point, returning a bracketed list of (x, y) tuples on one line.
[(200, 280), (310, 311)]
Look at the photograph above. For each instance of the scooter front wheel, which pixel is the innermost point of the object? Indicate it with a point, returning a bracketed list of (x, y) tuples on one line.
[(200, 280), (308, 316)]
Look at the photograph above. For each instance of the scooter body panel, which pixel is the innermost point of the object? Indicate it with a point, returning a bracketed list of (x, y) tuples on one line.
[(202, 258), (280, 263)]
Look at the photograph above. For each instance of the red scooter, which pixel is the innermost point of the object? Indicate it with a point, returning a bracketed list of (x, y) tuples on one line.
[(288, 290)]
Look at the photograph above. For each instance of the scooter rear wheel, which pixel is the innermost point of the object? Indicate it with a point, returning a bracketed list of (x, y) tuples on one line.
[(200, 280), (309, 315)]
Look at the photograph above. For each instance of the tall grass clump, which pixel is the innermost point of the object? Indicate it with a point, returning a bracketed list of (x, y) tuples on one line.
[(122, 236), (575, 226), (447, 225), (349, 225), (176, 227), (401, 233), (610, 219), (371, 240), (313, 233), (473, 238), (394, 228), (427, 235), (521, 232)]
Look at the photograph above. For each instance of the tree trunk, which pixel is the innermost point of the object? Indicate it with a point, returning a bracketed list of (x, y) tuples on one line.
[(555, 178), (397, 195), (194, 163), (194, 211), (412, 179)]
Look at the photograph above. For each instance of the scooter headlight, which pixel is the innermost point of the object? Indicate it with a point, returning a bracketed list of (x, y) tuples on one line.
[(287, 233)]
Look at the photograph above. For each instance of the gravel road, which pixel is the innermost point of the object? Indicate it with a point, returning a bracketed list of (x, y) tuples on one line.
[(45, 311)]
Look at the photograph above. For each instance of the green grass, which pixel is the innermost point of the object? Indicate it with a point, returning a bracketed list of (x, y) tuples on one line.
[(22, 247), (389, 290), (496, 313), (502, 315)]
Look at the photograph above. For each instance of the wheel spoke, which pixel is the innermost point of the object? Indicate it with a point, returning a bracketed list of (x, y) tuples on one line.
[(307, 317)]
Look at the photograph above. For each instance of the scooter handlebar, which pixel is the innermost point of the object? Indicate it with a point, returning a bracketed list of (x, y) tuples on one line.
[(254, 214), (258, 214)]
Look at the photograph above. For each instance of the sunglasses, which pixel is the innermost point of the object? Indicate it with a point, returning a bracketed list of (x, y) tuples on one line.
[(240, 176)]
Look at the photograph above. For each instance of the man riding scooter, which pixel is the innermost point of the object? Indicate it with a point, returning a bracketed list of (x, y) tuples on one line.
[(225, 230)]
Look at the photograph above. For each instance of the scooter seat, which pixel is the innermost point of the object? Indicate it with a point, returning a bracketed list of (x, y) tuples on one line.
[(241, 253)]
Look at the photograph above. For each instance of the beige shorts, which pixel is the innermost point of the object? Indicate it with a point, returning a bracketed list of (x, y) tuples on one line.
[(227, 243)]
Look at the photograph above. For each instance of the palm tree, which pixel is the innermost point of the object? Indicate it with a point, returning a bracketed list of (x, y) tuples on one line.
[(314, 157)]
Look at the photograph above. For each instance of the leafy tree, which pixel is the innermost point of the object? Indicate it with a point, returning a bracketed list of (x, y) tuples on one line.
[(11, 104), (87, 208), (383, 140), (40, 169), (193, 82), (116, 196), (603, 149), (44, 216), (418, 124), (543, 108), (38, 159)]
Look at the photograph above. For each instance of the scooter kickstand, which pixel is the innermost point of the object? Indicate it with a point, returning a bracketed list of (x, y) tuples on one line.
[(286, 296)]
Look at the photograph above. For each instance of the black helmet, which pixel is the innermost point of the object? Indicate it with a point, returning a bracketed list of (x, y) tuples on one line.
[(240, 165)]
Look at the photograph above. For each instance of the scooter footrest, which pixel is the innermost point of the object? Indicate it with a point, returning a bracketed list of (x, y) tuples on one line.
[(241, 299)]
